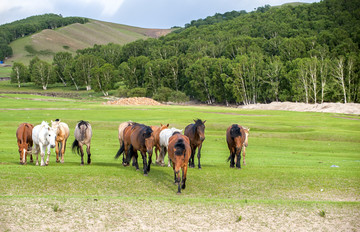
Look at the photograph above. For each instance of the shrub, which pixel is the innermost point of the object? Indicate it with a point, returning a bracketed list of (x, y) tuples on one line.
[(137, 92), (178, 96)]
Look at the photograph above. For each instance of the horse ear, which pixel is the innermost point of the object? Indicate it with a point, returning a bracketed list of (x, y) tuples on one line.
[(194, 120), (167, 125), (51, 121), (204, 122), (248, 129), (48, 128)]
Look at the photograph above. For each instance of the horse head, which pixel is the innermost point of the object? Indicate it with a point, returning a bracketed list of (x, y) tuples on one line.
[(55, 124), (148, 136), (50, 136), (199, 128)]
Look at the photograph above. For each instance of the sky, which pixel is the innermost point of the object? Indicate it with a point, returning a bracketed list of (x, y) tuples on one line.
[(141, 13)]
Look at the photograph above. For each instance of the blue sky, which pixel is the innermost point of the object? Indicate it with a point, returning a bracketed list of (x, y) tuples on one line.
[(141, 13)]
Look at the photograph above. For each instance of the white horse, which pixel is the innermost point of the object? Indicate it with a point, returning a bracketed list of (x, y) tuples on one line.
[(43, 136), (164, 142)]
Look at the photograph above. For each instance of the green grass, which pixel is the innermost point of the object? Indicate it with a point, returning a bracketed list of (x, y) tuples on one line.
[(5, 71), (289, 157)]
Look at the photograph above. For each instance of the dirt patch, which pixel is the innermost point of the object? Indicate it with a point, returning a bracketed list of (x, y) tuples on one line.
[(348, 108), (93, 214), (134, 101)]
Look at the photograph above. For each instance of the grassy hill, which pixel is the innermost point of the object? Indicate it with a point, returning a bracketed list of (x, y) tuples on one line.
[(77, 36)]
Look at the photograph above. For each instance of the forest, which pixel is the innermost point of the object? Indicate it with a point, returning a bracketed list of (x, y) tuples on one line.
[(305, 53), (20, 28)]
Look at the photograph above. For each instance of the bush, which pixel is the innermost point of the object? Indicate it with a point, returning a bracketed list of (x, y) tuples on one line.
[(137, 92), (165, 94)]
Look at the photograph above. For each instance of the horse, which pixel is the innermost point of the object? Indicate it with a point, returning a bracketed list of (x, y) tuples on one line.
[(236, 138), (43, 136), (83, 134), (137, 137), (24, 141), (62, 134), (179, 153), (121, 129), (156, 133), (245, 144), (164, 142), (196, 134)]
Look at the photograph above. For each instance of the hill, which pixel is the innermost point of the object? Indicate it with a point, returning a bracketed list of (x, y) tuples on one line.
[(77, 36)]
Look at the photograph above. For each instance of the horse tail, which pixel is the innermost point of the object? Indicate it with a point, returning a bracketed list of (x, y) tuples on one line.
[(180, 147), (76, 147), (131, 153), (120, 151)]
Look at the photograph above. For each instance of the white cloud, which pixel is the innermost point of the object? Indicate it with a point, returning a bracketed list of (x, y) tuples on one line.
[(110, 7)]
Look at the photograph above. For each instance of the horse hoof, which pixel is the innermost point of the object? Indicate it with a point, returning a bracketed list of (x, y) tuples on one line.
[(31, 161), (57, 161), (178, 193), (81, 164), (145, 174), (37, 164), (199, 168), (137, 169), (62, 161)]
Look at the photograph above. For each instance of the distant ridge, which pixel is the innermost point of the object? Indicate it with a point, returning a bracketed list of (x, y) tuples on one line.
[(78, 36)]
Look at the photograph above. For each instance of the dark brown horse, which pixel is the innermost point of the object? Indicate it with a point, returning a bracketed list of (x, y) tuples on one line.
[(179, 151), (196, 134), (236, 138), (137, 137), (24, 140)]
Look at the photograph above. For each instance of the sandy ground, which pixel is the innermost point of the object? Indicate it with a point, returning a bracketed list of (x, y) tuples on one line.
[(79, 214), (348, 108)]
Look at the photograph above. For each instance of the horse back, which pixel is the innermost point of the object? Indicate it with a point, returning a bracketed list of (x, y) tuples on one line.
[(24, 133)]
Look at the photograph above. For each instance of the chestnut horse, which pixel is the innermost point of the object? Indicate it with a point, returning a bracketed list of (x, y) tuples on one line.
[(137, 137), (164, 143), (24, 140), (236, 138), (196, 134), (156, 133), (83, 134), (121, 129), (179, 152), (62, 134)]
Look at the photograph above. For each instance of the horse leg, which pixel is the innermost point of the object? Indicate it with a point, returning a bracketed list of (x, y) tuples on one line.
[(35, 149), (238, 159), (191, 160), (244, 163), (30, 153), (136, 161), (82, 155), (199, 156), (57, 144), (89, 154), (48, 155), (63, 151), (143, 154), (178, 180), (232, 159), (150, 162), (42, 153), (184, 171)]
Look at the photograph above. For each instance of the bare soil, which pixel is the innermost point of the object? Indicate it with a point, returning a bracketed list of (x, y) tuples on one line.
[(134, 101), (80, 214)]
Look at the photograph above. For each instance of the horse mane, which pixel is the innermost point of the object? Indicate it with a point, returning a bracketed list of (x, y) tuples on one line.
[(180, 147), (44, 124), (176, 132), (81, 122), (146, 130), (235, 131)]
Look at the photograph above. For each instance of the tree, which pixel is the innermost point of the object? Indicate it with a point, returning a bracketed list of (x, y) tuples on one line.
[(104, 78), (42, 74), (339, 75), (61, 61), (83, 66), (273, 74), (19, 74)]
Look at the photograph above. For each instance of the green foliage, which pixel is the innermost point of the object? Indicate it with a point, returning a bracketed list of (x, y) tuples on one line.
[(19, 74), (322, 213), (42, 74), (104, 78), (137, 92)]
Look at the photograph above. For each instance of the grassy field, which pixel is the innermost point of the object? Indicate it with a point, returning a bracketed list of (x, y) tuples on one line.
[(288, 183)]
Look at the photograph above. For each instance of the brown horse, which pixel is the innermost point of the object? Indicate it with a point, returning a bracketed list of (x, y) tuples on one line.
[(245, 144), (24, 140), (179, 151), (121, 129), (137, 137), (156, 133), (236, 138), (62, 134), (196, 134)]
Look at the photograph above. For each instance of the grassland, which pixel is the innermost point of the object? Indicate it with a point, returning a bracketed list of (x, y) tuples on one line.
[(287, 181)]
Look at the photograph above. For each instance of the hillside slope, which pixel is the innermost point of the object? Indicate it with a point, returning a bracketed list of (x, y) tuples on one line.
[(77, 36)]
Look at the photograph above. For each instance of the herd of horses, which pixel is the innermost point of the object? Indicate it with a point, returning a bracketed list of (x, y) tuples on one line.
[(133, 137)]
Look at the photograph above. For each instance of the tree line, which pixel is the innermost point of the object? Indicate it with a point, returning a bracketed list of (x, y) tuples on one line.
[(20, 28), (307, 53)]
